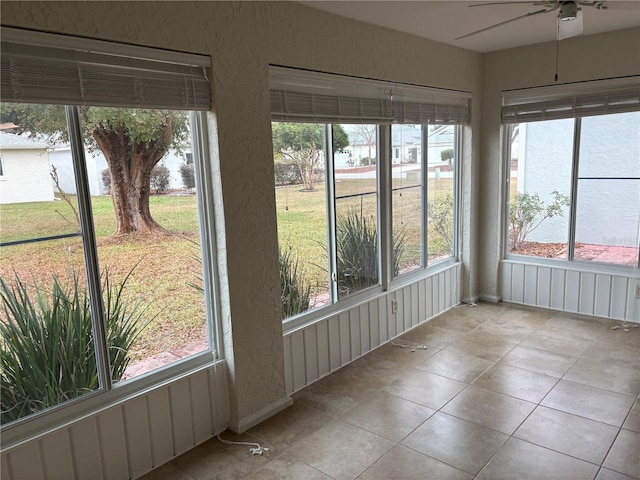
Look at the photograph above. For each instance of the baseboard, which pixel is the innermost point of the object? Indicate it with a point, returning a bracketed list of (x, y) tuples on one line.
[(490, 298), (470, 300), (245, 424)]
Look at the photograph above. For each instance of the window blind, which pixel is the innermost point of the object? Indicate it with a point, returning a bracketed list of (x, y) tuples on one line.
[(572, 100), (39, 67), (314, 97)]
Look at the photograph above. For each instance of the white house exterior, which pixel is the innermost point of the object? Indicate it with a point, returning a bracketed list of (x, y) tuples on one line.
[(60, 157), (25, 171), (608, 151)]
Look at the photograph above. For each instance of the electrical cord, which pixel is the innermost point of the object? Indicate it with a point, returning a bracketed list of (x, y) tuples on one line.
[(256, 448)]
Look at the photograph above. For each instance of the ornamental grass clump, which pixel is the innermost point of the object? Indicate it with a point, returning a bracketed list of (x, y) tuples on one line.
[(47, 349), (357, 258), (294, 291)]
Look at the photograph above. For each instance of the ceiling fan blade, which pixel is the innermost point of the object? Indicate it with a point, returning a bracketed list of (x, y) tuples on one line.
[(548, 3), (570, 28), (530, 14)]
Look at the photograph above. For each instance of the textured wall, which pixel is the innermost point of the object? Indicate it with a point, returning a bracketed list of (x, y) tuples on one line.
[(593, 57), (243, 38)]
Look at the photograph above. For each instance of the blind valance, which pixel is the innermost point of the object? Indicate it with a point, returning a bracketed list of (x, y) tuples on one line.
[(39, 67), (572, 100), (303, 96)]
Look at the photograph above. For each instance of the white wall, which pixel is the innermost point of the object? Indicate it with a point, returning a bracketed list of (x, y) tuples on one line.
[(243, 38), (26, 176), (593, 57)]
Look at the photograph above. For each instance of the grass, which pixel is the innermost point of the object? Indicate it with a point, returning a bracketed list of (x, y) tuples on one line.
[(167, 265)]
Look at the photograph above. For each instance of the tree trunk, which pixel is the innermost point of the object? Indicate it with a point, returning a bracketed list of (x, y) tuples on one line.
[(130, 165)]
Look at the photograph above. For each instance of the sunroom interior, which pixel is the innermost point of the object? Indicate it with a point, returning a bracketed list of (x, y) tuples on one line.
[(253, 364)]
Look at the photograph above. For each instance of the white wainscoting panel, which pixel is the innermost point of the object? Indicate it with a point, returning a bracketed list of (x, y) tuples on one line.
[(313, 351), (569, 289), (130, 438)]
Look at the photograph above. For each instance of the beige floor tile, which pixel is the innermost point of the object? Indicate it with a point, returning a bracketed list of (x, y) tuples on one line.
[(403, 356), (613, 375), (389, 417), (425, 388), (491, 409), (431, 336), (482, 345), (286, 467), (540, 361), (593, 403), (401, 463), (213, 460), (546, 340), (606, 474), (521, 460), (509, 332), (457, 366), (572, 326), (461, 444), (516, 382), (374, 371), (462, 319), (341, 450), (624, 456), (565, 433), (633, 420), (615, 338), (286, 428)]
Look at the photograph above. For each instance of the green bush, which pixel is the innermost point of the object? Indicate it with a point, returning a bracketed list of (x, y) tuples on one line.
[(440, 228), (527, 212), (160, 179), (357, 258), (294, 291), (47, 346), (188, 175), (286, 174)]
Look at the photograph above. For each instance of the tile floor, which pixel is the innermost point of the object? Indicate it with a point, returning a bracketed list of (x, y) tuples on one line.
[(501, 392)]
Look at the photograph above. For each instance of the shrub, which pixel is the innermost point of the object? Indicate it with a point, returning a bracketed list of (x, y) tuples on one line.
[(357, 259), (47, 347), (527, 212), (446, 155), (106, 179), (294, 291), (160, 179), (188, 176), (366, 161), (286, 174), (440, 217)]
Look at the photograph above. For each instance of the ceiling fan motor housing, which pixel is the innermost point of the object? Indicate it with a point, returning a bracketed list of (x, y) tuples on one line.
[(568, 11)]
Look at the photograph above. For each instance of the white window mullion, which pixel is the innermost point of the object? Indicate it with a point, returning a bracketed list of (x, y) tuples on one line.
[(90, 250), (385, 214), (330, 197)]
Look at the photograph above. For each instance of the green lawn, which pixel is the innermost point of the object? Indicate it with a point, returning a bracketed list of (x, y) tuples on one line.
[(166, 266)]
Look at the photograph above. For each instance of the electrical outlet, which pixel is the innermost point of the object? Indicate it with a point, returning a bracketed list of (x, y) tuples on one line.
[(394, 306)]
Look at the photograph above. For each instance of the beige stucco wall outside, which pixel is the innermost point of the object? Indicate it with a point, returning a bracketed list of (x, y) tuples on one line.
[(593, 57), (243, 38)]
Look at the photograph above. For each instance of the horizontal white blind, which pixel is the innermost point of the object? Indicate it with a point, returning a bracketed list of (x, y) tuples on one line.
[(106, 75), (303, 96), (572, 100)]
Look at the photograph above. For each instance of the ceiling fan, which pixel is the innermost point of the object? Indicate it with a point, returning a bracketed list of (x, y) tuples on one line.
[(569, 16)]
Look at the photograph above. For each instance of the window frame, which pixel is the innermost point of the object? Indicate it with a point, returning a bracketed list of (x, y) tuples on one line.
[(108, 393), (571, 211)]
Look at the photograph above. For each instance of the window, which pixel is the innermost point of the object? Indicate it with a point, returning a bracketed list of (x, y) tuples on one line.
[(100, 293), (574, 183), (363, 195), (1, 166)]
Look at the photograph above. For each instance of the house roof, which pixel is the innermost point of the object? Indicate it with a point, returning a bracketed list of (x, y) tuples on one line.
[(10, 141)]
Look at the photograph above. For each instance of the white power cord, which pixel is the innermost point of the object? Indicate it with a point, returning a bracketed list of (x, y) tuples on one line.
[(413, 346), (256, 448), (625, 326)]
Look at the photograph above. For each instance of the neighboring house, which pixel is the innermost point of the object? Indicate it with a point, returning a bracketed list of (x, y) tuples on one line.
[(60, 157), (544, 165), (24, 170)]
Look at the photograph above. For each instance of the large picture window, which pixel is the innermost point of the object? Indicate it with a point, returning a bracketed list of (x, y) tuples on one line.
[(574, 183), (365, 193), (103, 240)]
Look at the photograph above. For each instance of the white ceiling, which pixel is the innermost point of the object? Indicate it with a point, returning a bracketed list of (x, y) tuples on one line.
[(443, 21)]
